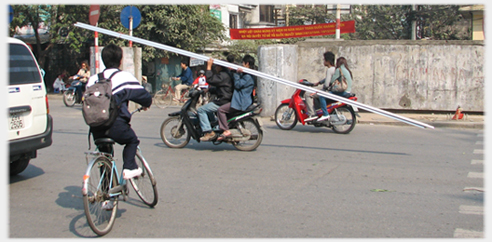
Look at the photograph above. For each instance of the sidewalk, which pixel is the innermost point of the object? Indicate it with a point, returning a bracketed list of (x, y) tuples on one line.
[(436, 120)]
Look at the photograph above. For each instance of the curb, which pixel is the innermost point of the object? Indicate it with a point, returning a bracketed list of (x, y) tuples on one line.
[(438, 123), (443, 124)]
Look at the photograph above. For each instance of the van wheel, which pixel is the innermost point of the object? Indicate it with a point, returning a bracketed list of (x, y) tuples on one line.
[(18, 166)]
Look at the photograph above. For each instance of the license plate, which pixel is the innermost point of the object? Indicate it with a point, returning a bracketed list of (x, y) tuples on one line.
[(16, 121)]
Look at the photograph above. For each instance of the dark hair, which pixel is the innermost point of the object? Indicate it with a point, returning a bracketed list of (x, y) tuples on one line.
[(342, 61), (250, 60), (184, 62), (86, 64), (111, 56), (230, 58), (330, 57)]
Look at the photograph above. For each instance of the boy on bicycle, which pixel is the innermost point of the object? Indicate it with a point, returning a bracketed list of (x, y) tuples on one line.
[(125, 88)]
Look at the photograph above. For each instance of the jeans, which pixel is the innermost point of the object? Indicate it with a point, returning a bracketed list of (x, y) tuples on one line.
[(203, 112), (322, 101)]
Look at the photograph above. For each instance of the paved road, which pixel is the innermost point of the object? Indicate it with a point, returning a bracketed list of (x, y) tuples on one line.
[(378, 181)]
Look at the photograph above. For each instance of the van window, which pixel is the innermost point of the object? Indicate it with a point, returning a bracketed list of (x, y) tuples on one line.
[(22, 68)]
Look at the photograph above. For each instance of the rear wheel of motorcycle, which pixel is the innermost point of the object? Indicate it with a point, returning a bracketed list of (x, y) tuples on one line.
[(174, 133), (256, 135), (349, 114), (69, 98), (285, 117)]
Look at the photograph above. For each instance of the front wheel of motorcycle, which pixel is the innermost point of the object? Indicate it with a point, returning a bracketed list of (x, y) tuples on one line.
[(285, 117), (255, 135), (69, 98), (174, 133), (348, 113)]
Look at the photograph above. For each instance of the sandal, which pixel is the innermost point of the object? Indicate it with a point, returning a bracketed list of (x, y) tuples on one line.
[(223, 136)]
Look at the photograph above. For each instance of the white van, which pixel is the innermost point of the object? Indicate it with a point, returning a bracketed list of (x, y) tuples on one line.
[(29, 123)]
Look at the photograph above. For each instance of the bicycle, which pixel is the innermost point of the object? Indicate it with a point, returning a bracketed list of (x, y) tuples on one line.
[(103, 185), (165, 96)]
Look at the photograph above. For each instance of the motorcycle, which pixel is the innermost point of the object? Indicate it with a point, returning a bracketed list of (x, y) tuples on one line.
[(71, 96), (290, 111), (177, 130)]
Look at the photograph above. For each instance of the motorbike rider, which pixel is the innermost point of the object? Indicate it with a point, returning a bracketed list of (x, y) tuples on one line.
[(222, 81), (82, 75), (342, 66), (329, 60), (242, 96)]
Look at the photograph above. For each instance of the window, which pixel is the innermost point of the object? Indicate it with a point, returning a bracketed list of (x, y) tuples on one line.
[(267, 13), (22, 68), (233, 21)]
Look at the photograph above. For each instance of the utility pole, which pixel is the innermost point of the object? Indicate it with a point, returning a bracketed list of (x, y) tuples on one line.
[(414, 23), (337, 31)]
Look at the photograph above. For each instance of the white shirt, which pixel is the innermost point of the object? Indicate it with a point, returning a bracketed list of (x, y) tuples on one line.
[(329, 73), (120, 80)]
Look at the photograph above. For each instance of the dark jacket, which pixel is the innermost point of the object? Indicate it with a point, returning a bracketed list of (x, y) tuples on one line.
[(186, 77), (223, 83)]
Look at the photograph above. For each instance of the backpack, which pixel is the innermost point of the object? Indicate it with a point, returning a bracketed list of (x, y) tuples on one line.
[(99, 107)]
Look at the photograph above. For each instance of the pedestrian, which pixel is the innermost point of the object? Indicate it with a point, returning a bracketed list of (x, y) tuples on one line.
[(147, 86)]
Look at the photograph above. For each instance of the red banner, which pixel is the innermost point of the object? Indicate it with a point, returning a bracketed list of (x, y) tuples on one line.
[(292, 31)]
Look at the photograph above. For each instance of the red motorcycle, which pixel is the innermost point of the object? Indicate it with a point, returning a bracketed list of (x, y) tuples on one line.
[(290, 111)]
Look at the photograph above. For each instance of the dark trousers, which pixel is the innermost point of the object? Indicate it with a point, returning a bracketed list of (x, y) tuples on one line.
[(122, 133), (222, 115)]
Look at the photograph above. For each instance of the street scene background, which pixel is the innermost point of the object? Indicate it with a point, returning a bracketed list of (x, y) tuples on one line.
[(379, 181)]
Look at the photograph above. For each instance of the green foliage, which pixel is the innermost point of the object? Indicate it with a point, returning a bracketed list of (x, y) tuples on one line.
[(395, 22), (188, 27)]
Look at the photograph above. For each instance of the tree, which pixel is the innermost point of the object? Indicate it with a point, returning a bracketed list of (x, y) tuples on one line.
[(395, 22), (188, 27)]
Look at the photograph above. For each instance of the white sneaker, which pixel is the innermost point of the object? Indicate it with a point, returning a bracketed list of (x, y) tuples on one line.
[(129, 174), (107, 205), (323, 118), (314, 117)]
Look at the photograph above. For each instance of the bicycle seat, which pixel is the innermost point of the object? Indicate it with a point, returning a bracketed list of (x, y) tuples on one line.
[(102, 141)]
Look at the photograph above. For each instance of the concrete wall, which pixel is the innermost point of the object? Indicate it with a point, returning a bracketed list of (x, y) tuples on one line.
[(404, 75)]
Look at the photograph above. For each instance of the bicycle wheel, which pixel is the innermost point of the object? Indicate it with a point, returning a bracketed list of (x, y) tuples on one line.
[(145, 185), (95, 188), (163, 98)]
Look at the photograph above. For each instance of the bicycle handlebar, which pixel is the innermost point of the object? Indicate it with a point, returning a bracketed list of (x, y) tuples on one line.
[(137, 110)]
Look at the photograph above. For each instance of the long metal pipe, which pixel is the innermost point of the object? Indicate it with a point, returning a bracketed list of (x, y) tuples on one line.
[(258, 74)]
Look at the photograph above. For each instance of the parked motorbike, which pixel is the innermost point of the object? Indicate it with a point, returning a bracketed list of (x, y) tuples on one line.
[(181, 126), (290, 111), (71, 95)]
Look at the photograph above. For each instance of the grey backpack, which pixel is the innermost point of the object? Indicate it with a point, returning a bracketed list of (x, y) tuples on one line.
[(99, 107)]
